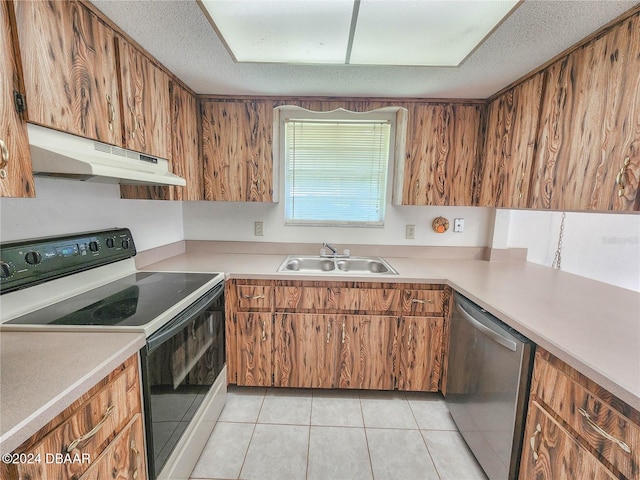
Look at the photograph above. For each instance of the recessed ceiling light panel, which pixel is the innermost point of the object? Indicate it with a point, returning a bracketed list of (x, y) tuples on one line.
[(361, 32)]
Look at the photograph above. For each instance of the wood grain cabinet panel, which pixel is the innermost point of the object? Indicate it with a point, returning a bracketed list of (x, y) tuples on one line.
[(306, 350), (509, 148), (15, 157), (550, 452), (236, 150), (70, 73), (186, 139), (255, 297), (441, 154), (254, 356), (146, 104), (421, 302), (124, 458), (590, 123), (366, 352), (85, 430), (420, 353), (368, 300)]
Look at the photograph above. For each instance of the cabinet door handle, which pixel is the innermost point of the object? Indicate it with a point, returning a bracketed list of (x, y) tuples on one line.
[(93, 431), (112, 112), (421, 302), (602, 432), (622, 179), (253, 297), (264, 332), (519, 186), (328, 332), (136, 454), (4, 150), (136, 124), (410, 334), (343, 335), (532, 440)]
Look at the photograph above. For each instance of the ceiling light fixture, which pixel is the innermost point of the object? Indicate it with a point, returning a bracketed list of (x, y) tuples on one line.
[(360, 32)]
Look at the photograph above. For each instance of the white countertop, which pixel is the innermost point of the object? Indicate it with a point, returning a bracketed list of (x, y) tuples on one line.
[(42, 373), (592, 326)]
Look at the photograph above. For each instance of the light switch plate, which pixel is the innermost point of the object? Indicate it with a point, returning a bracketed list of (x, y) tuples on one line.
[(410, 232), (258, 229)]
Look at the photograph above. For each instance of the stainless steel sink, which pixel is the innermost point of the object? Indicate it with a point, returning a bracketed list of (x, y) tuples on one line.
[(350, 265)]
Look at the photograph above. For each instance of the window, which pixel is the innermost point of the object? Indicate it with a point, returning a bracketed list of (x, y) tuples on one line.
[(336, 166)]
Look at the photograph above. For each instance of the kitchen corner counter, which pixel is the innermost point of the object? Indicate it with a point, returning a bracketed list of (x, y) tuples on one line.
[(592, 326), (42, 373)]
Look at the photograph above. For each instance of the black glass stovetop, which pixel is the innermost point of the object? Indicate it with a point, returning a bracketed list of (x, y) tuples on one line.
[(134, 300)]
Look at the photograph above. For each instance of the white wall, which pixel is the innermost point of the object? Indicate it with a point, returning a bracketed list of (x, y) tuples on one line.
[(66, 206), (604, 247), (235, 221)]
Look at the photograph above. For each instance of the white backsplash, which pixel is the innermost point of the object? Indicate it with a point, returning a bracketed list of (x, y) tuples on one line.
[(67, 206)]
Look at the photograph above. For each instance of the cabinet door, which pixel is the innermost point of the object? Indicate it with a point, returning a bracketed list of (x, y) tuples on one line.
[(254, 349), (550, 453), (236, 150), (420, 353), (70, 73), (512, 124), (124, 457), (186, 159), (305, 350), (365, 354), (442, 150), (590, 123), (15, 158), (146, 103)]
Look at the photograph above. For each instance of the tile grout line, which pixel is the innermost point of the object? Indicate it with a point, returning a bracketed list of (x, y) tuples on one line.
[(435, 467), (366, 437), (255, 424)]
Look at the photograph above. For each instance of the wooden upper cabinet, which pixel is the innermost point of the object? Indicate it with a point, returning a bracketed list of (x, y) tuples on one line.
[(507, 161), (70, 75), (237, 150), (146, 103), (15, 158), (589, 125), (441, 153), (186, 159)]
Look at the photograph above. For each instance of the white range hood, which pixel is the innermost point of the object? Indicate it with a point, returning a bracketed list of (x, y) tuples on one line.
[(59, 154)]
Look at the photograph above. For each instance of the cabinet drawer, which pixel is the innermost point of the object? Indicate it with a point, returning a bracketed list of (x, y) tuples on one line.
[(254, 297), (423, 301), (86, 433), (317, 299), (124, 457), (602, 427)]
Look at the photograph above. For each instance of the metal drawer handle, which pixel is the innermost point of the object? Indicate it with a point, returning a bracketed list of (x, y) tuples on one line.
[(253, 297), (343, 333), (410, 334), (136, 453), (532, 440), (93, 431), (5, 159), (622, 179), (421, 302), (602, 432), (112, 112), (264, 331), (328, 331)]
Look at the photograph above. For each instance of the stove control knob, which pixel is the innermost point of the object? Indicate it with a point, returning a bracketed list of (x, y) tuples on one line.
[(125, 244), (6, 270), (110, 242), (94, 246), (33, 258)]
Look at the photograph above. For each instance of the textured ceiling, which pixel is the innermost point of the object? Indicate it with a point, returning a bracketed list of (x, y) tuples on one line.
[(180, 37)]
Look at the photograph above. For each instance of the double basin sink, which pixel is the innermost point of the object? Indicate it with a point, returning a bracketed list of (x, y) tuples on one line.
[(336, 265)]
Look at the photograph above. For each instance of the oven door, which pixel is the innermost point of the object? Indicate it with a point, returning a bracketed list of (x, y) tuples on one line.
[(181, 361)]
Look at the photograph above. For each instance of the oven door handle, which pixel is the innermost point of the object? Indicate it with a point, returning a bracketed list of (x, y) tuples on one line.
[(184, 317)]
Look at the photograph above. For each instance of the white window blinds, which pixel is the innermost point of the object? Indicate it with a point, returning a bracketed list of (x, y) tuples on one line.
[(336, 171)]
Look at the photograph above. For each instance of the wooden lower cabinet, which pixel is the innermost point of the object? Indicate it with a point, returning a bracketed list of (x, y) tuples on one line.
[(99, 436), (420, 352), (577, 429), (348, 335), (254, 333), (550, 452)]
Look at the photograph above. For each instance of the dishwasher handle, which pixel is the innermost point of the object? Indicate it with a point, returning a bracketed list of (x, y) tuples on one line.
[(495, 336)]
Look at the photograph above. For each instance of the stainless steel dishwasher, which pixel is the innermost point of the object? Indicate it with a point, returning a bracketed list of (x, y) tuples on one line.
[(488, 386)]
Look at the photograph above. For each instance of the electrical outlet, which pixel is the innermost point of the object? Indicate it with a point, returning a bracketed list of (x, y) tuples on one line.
[(258, 229), (410, 232), (458, 224)]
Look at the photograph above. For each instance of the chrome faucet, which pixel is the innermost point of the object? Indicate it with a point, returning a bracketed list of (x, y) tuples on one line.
[(334, 252)]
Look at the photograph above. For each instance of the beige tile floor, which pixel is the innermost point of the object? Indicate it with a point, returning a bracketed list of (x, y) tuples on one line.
[(289, 434)]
